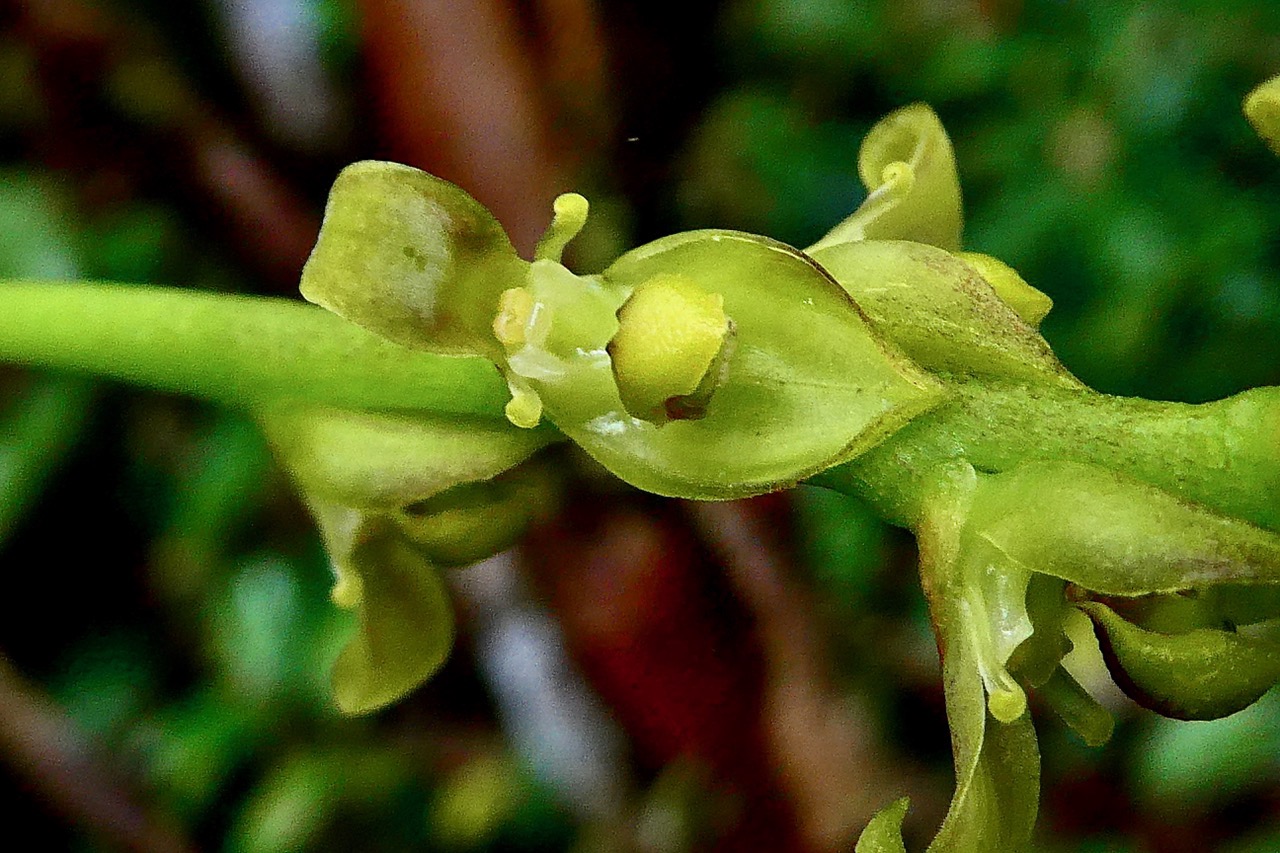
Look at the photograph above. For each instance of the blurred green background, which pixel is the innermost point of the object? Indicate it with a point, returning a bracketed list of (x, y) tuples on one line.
[(633, 680)]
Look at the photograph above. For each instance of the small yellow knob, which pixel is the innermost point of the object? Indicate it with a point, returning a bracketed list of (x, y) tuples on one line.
[(669, 336)]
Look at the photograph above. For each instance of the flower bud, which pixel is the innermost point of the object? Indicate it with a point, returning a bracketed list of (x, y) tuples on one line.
[(1029, 303), (1262, 109)]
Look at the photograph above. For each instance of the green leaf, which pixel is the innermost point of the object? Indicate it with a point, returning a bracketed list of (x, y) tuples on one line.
[(411, 257), (1204, 764), (807, 384), (315, 799), (238, 350), (883, 834), (42, 419), (216, 495), (1202, 674), (907, 165), (39, 237), (38, 426), (941, 312)]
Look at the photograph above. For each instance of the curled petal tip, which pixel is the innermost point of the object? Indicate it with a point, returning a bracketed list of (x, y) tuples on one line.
[(569, 215)]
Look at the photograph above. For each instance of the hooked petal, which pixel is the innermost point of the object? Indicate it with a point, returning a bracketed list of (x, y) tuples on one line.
[(1077, 708), (909, 168)]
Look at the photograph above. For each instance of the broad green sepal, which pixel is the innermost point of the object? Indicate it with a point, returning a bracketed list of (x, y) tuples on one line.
[(1202, 674), (909, 168), (883, 834), (808, 384), (411, 257), (940, 311)]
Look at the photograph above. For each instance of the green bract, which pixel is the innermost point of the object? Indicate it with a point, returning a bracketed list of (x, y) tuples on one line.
[(941, 311)]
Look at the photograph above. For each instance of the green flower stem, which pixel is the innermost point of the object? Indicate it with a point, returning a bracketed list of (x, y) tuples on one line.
[(238, 350), (251, 350), (1224, 455)]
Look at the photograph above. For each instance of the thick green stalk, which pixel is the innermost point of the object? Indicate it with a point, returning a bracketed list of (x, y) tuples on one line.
[(233, 349), (1224, 455)]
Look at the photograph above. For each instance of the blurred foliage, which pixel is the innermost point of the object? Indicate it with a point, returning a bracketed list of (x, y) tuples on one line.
[(173, 598)]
